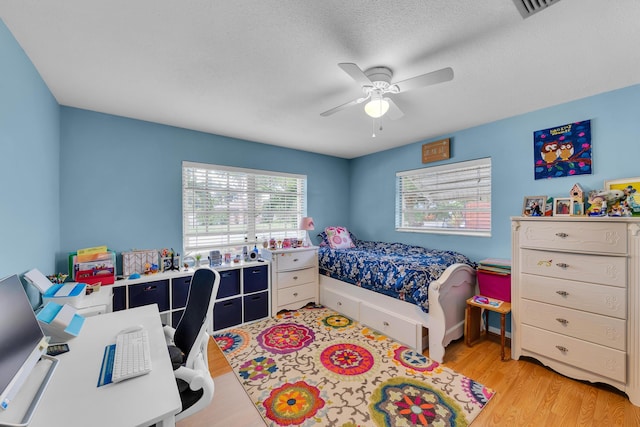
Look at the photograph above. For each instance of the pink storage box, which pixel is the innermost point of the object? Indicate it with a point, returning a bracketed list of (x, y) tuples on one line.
[(495, 285)]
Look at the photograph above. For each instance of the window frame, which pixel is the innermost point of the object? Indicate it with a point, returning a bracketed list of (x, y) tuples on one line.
[(447, 171), (252, 232)]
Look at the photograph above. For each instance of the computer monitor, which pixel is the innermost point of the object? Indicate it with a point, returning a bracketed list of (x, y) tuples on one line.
[(22, 341)]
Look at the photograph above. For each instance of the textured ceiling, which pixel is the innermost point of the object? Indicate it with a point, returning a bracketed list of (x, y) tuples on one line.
[(264, 70)]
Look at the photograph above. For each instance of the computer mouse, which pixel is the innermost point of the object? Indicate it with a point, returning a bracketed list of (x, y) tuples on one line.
[(134, 276)]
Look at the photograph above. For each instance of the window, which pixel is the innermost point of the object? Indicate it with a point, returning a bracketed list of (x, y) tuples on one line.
[(226, 207), (450, 199)]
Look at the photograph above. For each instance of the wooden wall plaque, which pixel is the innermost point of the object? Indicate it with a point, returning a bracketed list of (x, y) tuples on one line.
[(434, 151)]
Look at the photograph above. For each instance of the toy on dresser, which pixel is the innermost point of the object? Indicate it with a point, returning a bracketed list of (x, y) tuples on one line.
[(608, 203)]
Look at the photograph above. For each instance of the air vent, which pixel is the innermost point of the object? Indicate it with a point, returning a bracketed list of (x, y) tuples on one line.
[(529, 7)]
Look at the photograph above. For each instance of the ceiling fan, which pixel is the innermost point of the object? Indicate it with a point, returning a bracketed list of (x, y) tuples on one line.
[(376, 84)]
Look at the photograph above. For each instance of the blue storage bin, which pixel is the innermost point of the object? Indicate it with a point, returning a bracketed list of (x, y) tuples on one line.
[(227, 313), (180, 291), (175, 317), (156, 292), (256, 306), (119, 298), (229, 283), (256, 279)]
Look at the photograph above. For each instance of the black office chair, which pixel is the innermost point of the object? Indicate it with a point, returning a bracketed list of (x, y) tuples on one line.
[(188, 343)]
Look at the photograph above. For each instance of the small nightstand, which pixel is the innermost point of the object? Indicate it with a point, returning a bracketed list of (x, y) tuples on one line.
[(473, 323), (294, 277)]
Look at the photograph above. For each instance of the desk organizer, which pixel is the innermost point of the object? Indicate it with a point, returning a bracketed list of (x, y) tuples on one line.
[(94, 268), (134, 261)]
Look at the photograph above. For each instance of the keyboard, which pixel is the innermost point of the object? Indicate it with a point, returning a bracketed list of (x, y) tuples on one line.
[(132, 355)]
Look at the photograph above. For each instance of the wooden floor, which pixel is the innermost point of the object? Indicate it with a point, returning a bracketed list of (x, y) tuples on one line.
[(527, 393)]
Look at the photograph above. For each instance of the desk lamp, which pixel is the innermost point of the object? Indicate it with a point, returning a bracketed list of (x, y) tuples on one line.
[(306, 224)]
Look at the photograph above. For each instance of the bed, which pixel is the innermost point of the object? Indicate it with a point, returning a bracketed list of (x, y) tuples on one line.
[(399, 290)]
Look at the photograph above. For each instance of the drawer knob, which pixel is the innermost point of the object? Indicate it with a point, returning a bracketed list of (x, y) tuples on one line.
[(295, 294), (385, 323), (295, 277), (295, 260), (562, 293), (562, 348), (565, 322), (562, 265), (562, 235), (339, 303)]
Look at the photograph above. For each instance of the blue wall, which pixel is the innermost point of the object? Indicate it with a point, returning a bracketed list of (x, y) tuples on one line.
[(615, 126), (74, 178), (121, 179), (29, 164)]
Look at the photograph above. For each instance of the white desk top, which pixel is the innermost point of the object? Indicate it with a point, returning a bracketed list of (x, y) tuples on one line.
[(73, 398)]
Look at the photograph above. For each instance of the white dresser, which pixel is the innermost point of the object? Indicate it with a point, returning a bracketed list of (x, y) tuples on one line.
[(575, 294), (294, 277)]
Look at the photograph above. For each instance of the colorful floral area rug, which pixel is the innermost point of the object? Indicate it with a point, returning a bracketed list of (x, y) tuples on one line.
[(315, 367)]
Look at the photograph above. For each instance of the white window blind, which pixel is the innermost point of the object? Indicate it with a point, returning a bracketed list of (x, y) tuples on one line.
[(222, 206), (452, 199)]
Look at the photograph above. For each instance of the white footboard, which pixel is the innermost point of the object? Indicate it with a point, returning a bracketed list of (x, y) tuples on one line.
[(447, 303), (404, 321)]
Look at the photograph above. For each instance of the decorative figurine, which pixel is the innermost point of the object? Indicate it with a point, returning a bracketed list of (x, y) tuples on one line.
[(577, 193)]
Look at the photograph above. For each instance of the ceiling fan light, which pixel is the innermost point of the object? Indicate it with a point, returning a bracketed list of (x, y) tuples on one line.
[(377, 107)]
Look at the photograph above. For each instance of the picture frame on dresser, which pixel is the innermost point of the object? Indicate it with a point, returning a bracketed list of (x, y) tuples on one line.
[(622, 184), (562, 206), (534, 205), (577, 208)]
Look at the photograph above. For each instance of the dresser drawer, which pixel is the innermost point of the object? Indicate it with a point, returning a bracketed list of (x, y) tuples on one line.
[(296, 260), (600, 299), (606, 270), (390, 324), (595, 328), (341, 303), (297, 293), (298, 277), (591, 357), (606, 237)]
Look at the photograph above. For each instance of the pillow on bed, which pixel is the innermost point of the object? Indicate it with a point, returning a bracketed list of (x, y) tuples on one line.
[(324, 240), (339, 238)]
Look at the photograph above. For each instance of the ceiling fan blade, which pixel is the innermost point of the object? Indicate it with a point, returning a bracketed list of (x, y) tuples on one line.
[(428, 79), (341, 107), (356, 73), (394, 112)]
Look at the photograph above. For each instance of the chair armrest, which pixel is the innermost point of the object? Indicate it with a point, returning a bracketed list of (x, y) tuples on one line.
[(169, 332), (194, 377)]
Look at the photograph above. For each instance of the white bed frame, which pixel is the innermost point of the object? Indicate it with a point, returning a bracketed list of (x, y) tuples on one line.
[(404, 321)]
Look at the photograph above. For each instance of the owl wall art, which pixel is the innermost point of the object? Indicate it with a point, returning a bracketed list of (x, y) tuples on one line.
[(562, 150)]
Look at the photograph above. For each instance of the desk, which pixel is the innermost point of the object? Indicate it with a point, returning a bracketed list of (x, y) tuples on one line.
[(73, 399)]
